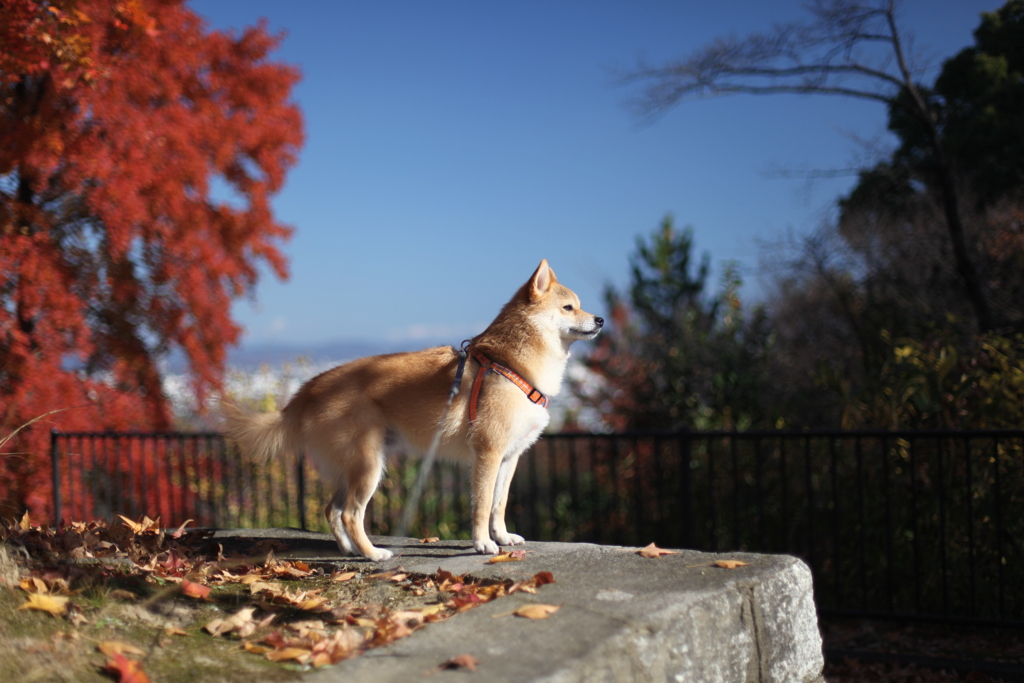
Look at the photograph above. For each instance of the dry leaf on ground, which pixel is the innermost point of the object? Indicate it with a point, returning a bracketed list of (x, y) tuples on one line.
[(730, 564), (181, 529), (299, 654), (506, 556), (54, 604), (195, 590), (537, 611), (126, 670), (430, 539), (653, 551), (143, 526), (343, 576), (241, 623)]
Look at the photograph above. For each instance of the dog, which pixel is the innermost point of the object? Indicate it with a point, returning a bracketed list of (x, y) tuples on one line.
[(350, 418)]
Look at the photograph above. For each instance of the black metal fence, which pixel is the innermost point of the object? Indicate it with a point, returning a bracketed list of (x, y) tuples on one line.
[(926, 525)]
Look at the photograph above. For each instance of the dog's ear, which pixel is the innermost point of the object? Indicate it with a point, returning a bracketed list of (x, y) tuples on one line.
[(541, 280)]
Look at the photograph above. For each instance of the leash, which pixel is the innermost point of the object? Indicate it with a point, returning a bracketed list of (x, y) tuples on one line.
[(431, 454)]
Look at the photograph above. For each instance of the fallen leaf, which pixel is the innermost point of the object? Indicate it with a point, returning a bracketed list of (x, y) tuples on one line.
[(342, 644), (730, 564), (284, 654), (174, 562), (195, 590), (116, 647), (181, 529), (175, 631), (256, 649), (543, 578), (343, 576), (32, 584), (537, 611), (54, 604), (143, 526), (241, 622), (513, 556), (653, 551), (126, 670), (404, 622), (24, 524), (430, 539), (431, 610), (461, 662), (75, 615)]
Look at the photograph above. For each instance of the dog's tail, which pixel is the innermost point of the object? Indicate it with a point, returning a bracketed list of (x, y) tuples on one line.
[(260, 436)]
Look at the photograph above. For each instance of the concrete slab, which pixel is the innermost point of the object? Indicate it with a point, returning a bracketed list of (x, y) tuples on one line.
[(622, 618)]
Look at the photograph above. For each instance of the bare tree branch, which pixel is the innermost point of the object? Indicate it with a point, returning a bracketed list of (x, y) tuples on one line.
[(852, 48)]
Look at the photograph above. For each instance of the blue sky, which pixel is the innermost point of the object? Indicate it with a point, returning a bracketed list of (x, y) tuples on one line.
[(450, 145)]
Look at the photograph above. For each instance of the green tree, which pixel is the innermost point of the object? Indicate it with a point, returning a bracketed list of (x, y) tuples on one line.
[(674, 356)]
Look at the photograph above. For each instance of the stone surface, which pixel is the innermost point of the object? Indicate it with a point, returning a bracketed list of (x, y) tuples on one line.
[(622, 618)]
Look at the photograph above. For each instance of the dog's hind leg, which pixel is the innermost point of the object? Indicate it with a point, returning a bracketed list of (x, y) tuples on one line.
[(363, 475), (333, 513)]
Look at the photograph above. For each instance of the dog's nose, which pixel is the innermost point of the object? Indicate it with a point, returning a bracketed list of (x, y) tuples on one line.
[(599, 321)]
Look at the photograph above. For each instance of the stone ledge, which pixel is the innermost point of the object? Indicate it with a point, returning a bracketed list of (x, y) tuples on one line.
[(623, 617)]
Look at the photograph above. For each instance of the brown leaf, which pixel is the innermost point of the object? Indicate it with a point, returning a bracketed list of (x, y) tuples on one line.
[(430, 539), (431, 610), (256, 649), (284, 654), (32, 584), (175, 631), (461, 662), (730, 564), (195, 590), (343, 576), (241, 622), (652, 551), (25, 524), (126, 670), (181, 529), (543, 578), (54, 604), (340, 645), (174, 562), (514, 556), (141, 527), (536, 611)]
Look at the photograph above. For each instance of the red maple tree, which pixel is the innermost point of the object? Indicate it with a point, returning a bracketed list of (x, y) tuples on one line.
[(138, 154)]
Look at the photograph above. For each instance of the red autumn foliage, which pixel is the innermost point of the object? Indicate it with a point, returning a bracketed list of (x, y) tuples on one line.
[(138, 154)]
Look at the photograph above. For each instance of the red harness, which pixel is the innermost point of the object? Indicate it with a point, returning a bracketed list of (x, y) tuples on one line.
[(486, 365)]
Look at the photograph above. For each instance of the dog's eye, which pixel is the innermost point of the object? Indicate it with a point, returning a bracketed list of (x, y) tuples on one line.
[(567, 307)]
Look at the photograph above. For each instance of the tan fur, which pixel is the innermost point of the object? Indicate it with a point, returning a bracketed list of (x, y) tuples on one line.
[(349, 417)]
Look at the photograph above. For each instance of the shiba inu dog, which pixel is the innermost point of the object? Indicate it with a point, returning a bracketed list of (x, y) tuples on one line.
[(350, 417)]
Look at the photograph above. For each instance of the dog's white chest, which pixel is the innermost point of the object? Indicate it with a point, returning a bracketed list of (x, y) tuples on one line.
[(528, 429)]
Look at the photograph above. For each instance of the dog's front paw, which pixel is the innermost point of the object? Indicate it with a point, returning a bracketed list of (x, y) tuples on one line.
[(487, 547), (509, 539), (380, 554)]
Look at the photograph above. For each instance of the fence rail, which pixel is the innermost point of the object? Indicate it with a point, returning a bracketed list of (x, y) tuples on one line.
[(923, 525)]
